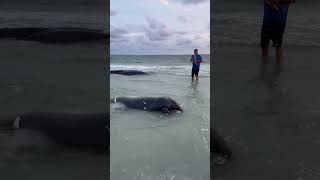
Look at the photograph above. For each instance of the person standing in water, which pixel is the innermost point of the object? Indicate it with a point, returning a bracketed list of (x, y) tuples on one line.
[(273, 26), (274, 23), (196, 60)]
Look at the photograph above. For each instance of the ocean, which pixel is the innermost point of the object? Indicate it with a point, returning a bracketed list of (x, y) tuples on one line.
[(151, 145), (44, 77), (52, 13), (239, 23), (266, 118)]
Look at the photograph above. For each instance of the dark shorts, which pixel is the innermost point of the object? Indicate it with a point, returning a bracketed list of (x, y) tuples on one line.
[(194, 72), (272, 32)]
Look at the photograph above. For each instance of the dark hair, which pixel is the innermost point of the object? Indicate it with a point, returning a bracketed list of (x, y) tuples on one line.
[(195, 50)]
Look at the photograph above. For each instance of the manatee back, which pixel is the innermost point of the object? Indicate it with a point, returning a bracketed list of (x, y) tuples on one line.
[(156, 104), (133, 102), (78, 129)]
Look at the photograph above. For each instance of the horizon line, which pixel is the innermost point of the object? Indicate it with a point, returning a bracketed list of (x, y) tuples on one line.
[(153, 54)]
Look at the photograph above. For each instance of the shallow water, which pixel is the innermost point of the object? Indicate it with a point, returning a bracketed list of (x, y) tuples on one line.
[(239, 23), (151, 145), (54, 13)]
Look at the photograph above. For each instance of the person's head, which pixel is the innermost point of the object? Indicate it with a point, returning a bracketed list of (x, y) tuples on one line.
[(195, 51)]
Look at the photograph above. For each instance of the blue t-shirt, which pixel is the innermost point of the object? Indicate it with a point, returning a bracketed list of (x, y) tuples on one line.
[(272, 16), (196, 57)]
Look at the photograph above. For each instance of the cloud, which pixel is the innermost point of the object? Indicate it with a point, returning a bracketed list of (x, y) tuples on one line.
[(156, 30), (197, 37), (144, 42), (117, 33), (113, 12), (182, 42), (183, 19), (193, 1), (164, 2), (181, 32), (155, 24), (158, 35)]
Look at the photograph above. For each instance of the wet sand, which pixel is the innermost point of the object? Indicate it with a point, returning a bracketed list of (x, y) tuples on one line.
[(37, 77), (273, 131)]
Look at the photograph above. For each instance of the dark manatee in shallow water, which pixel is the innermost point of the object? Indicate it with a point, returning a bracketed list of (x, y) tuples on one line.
[(218, 145), (70, 129), (163, 104), (128, 72), (63, 35)]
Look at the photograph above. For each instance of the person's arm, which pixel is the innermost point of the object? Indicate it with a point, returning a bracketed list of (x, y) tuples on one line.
[(272, 4), (193, 60), (199, 60)]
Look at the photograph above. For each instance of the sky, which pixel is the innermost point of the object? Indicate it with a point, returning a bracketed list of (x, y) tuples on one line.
[(159, 26)]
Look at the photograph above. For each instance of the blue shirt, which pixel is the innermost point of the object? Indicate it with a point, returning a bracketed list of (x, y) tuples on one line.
[(196, 57), (272, 16)]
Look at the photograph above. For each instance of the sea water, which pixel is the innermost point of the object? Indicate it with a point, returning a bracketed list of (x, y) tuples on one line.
[(152, 145)]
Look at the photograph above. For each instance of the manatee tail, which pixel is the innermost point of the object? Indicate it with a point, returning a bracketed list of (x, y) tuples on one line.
[(10, 122), (113, 100)]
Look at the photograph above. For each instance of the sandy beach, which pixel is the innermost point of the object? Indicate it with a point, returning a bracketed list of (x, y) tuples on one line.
[(52, 78), (273, 131)]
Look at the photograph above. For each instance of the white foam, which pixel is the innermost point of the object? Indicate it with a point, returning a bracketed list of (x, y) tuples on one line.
[(146, 67), (177, 70)]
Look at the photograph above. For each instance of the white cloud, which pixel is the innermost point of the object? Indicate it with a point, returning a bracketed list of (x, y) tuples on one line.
[(164, 2), (193, 1), (183, 19)]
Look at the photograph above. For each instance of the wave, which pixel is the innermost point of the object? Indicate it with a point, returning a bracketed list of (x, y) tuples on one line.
[(176, 70), (150, 68), (186, 74), (64, 35)]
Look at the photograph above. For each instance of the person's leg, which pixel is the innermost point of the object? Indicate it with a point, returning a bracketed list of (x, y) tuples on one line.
[(277, 43), (264, 44), (197, 73), (279, 55), (192, 74), (279, 60), (264, 61), (264, 53)]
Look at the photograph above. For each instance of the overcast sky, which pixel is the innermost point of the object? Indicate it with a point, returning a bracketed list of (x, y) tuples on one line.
[(160, 26)]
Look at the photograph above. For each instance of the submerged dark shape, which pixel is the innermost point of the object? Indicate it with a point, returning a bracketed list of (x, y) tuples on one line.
[(163, 104), (63, 35), (128, 72), (70, 129), (218, 145)]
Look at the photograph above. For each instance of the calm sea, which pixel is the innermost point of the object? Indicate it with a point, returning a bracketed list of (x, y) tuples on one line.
[(150, 145)]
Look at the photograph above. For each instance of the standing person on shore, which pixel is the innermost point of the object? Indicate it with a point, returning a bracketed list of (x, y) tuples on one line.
[(196, 60)]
